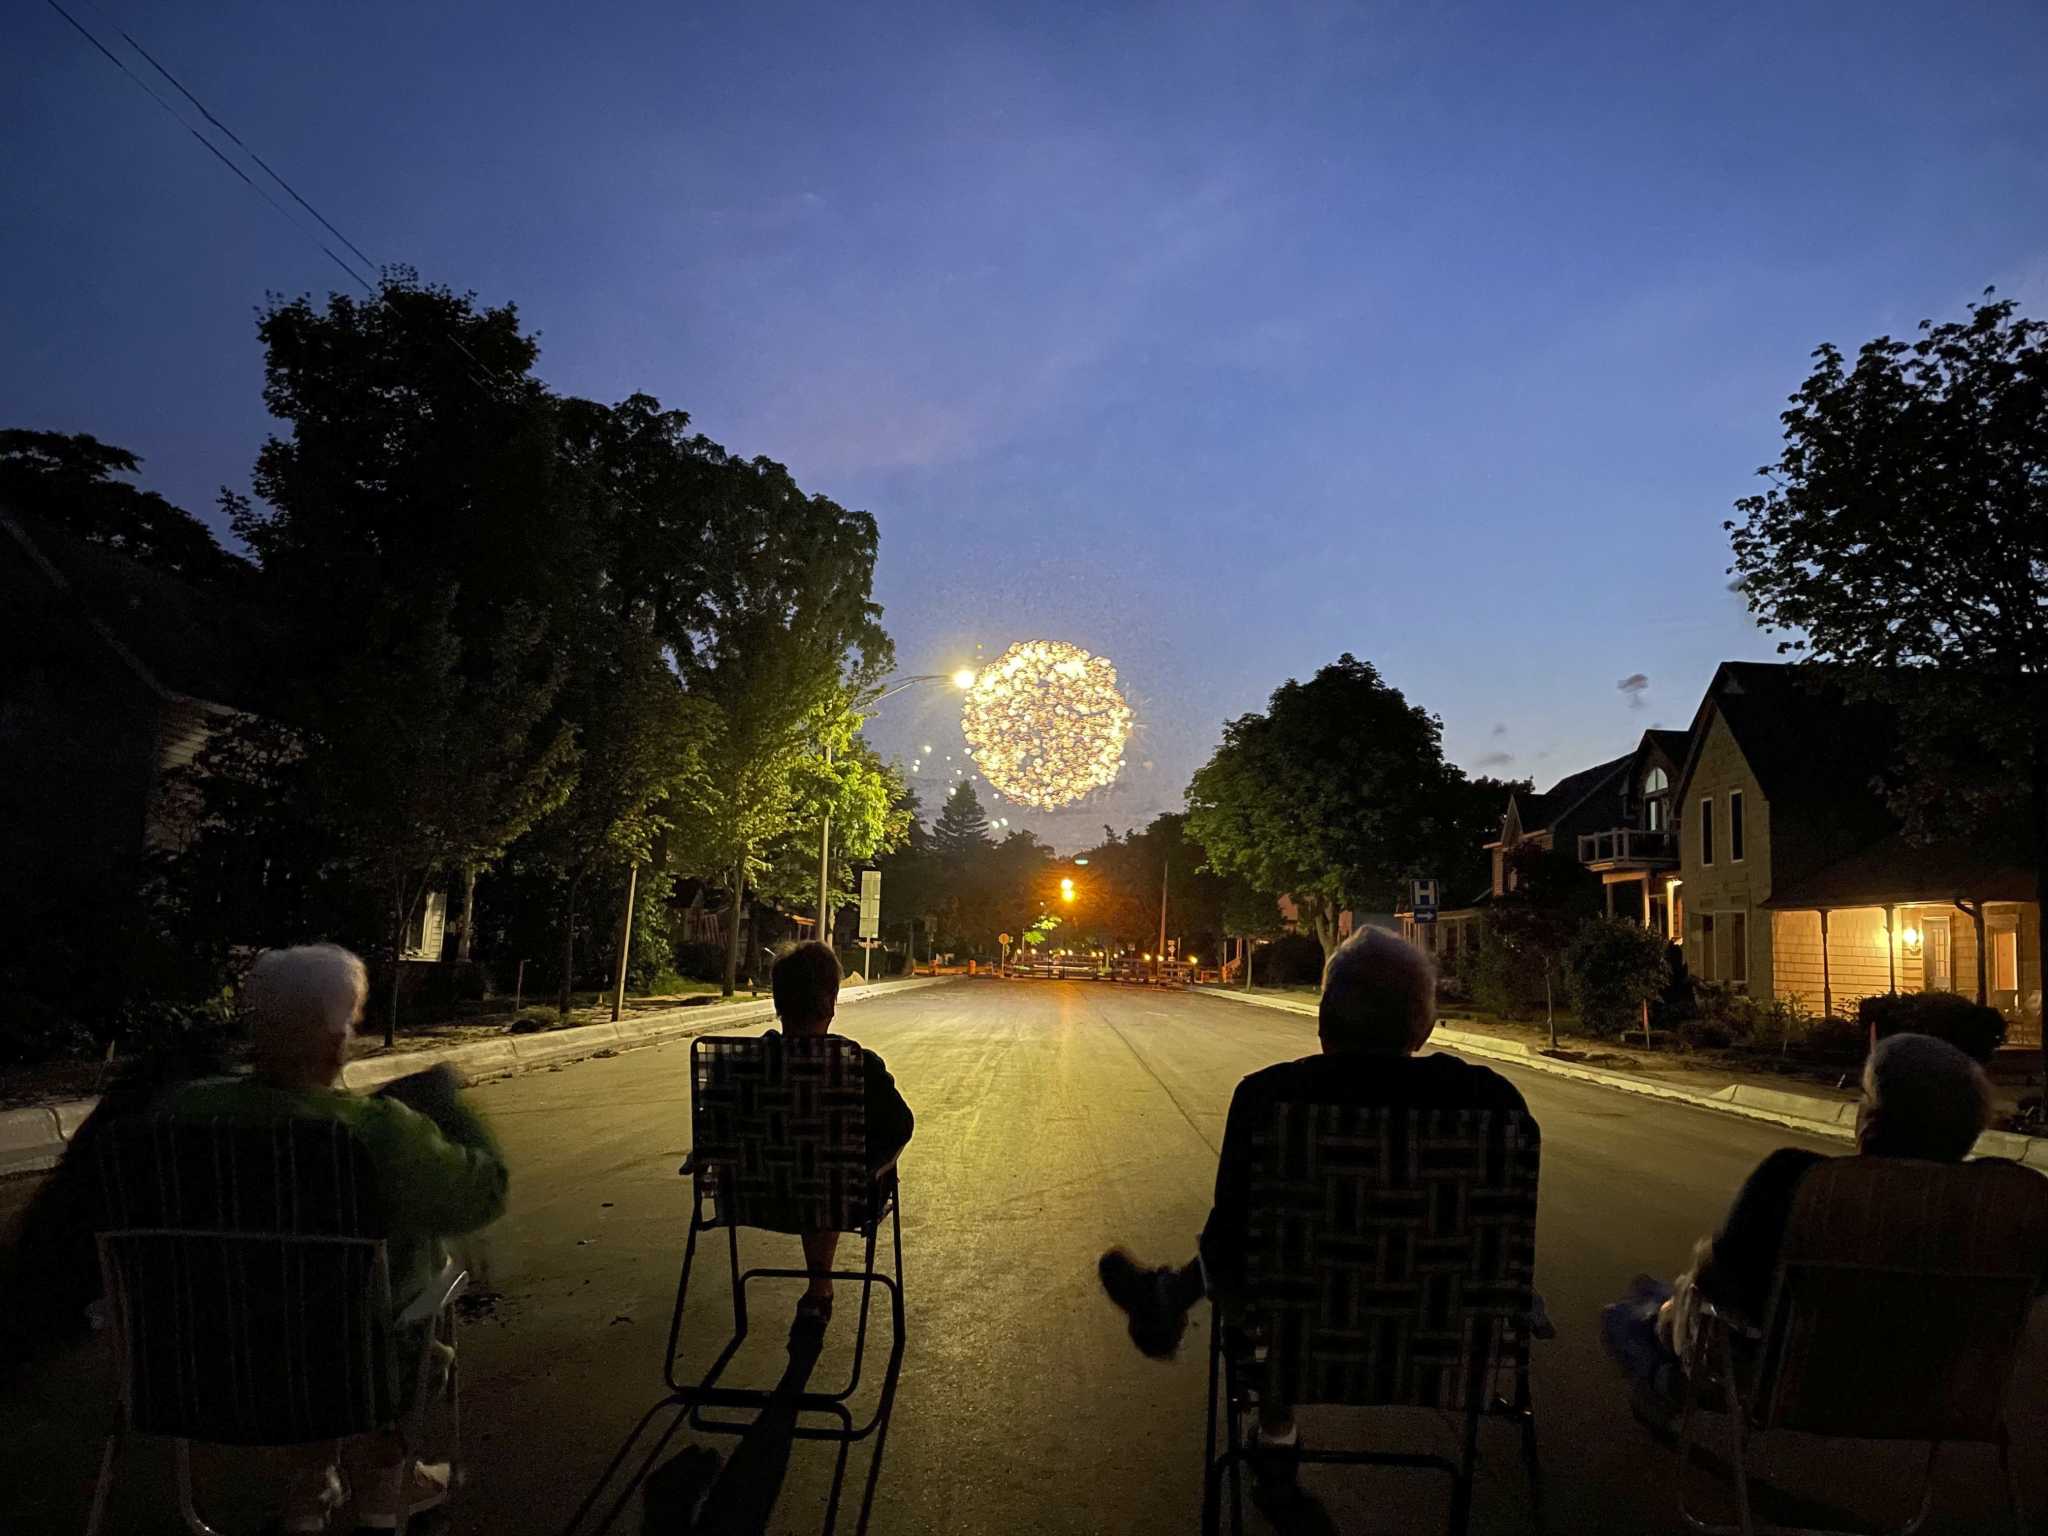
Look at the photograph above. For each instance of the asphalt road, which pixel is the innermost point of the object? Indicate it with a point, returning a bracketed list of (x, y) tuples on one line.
[(1054, 1119)]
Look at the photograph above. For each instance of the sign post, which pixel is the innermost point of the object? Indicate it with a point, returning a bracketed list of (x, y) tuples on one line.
[(870, 915)]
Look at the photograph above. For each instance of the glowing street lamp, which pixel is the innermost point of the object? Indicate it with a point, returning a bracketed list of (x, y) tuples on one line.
[(1067, 891)]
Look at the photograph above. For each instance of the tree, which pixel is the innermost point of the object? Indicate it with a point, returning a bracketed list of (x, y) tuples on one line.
[(1549, 897), (1613, 969), (962, 827), (424, 763), (787, 634), (1333, 797), (70, 480), (1904, 538), (864, 797)]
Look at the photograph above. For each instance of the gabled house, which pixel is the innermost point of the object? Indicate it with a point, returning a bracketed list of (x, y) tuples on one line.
[(1636, 857), (1797, 881)]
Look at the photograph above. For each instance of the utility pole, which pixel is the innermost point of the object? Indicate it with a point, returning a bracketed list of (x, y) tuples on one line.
[(1165, 868), (625, 940), (825, 864)]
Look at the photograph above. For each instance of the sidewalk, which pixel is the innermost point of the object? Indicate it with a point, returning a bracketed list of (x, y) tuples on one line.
[(1812, 1110), (34, 1138)]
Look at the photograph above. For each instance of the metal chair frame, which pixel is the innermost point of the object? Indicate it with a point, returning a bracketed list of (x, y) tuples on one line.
[(689, 1399), (432, 1310), (1499, 1359), (1748, 1396)]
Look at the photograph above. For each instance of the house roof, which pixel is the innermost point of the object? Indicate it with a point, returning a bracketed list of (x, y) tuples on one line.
[(178, 639), (1674, 744), (1892, 869), (1803, 738), (1567, 794)]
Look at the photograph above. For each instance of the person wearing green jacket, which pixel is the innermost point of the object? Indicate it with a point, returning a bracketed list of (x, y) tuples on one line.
[(439, 1170)]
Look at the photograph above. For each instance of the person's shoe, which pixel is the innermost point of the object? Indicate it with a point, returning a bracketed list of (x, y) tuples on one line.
[(311, 1503), (1276, 1468), (379, 1509), (1150, 1297)]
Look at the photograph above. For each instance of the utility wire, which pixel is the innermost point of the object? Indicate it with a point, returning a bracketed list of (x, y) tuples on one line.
[(484, 378)]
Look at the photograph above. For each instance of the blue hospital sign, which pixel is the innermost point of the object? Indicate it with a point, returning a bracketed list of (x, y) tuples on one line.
[(1423, 901)]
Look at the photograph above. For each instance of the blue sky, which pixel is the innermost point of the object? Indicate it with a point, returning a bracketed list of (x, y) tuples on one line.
[(1220, 339)]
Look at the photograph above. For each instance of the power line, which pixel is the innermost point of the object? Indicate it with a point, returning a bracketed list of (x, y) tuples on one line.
[(485, 377), (208, 144)]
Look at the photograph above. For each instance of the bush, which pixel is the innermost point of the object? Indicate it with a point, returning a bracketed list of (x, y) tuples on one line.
[(1832, 1039), (531, 1021), (665, 984), (1501, 981), (1292, 960), (701, 960), (1611, 969), (1971, 1027)]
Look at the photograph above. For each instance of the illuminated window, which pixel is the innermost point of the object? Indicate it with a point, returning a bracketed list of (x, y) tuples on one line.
[(1706, 831), (1656, 800), (2005, 959), (1735, 826)]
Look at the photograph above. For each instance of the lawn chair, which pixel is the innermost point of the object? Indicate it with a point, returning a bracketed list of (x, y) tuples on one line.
[(1898, 1310), (1389, 1264), (250, 1299), (778, 1143)]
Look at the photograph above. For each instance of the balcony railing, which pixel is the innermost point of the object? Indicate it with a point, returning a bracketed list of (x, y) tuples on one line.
[(1628, 845)]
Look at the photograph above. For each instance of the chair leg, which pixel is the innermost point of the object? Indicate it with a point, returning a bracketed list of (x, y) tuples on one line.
[(675, 1322), (2012, 1483), (103, 1487), (1739, 1427), (1211, 1473), (186, 1506), (1468, 1459)]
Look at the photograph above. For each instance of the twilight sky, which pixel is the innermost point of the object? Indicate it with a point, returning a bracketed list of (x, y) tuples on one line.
[(1220, 339)]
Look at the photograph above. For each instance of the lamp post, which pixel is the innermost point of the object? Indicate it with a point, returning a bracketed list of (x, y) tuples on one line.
[(963, 679)]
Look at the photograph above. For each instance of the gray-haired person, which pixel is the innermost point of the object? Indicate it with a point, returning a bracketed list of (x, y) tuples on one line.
[(438, 1168), (1378, 1009), (1922, 1098)]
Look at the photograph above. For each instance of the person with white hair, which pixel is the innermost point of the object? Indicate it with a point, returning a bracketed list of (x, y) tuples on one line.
[(1377, 1011), (1922, 1098), (438, 1168)]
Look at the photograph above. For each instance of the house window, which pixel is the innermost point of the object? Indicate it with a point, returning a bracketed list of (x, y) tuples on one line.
[(1735, 826), (1656, 800), (1702, 957), (1735, 963), (2005, 959), (1706, 831)]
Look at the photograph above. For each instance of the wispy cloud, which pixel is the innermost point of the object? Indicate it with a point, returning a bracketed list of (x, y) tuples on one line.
[(1500, 728), (1494, 760)]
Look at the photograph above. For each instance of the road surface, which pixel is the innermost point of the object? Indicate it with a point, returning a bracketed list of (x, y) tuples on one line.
[(1054, 1119)]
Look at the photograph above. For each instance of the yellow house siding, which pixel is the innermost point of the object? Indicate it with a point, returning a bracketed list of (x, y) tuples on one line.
[(1726, 886)]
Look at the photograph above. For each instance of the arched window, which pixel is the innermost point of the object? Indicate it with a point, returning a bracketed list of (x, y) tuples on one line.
[(1656, 800)]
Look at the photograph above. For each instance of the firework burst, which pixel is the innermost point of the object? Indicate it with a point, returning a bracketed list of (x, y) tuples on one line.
[(1045, 723)]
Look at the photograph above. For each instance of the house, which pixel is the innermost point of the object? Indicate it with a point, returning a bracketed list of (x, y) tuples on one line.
[(115, 676), (1796, 882), (1636, 855)]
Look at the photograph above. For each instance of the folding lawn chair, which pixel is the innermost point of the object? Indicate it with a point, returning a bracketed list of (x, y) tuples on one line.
[(250, 1297), (778, 1143), (1897, 1313), (1389, 1264)]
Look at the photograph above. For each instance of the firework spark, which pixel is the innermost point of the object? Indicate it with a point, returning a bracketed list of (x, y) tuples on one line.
[(1045, 723)]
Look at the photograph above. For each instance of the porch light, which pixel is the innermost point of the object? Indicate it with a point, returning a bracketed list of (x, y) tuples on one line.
[(1910, 937)]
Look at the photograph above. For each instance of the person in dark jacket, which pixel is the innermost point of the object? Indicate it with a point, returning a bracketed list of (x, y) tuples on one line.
[(805, 985), (1378, 1008)]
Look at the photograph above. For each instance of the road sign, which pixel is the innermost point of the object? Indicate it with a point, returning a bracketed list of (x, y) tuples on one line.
[(871, 903), (1003, 939), (1422, 901)]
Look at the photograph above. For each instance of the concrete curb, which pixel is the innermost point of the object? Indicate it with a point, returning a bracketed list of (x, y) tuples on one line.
[(1815, 1116), (34, 1138)]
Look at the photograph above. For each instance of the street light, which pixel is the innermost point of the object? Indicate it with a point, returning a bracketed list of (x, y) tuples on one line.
[(1067, 891), (825, 823)]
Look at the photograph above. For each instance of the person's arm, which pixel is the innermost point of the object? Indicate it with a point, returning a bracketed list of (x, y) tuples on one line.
[(1734, 1268), (890, 1122), (444, 1175), (1225, 1236)]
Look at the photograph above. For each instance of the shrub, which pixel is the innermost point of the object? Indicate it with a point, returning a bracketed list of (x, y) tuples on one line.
[(531, 1021), (701, 960), (1612, 968), (665, 984), (1292, 960), (1501, 980), (1971, 1027), (1832, 1039)]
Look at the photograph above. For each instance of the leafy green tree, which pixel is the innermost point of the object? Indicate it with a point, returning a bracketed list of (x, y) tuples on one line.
[(76, 482), (1904, 538), (1333, 797), (863, 796), (423, 764), (1550, 895), (1613, 969)]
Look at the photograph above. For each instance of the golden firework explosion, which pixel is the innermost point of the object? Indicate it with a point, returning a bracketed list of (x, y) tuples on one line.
[(1045, 724)]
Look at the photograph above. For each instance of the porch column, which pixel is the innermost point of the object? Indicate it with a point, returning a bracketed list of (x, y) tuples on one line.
[(1974, 910), (1609, 892), (1827, 981), (1891, 949), (1646, 901)]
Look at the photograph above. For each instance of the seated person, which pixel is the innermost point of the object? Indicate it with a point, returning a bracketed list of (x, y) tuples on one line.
[(1378, 1008), (438, 1168), (1922, 1098), (805, 985)]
